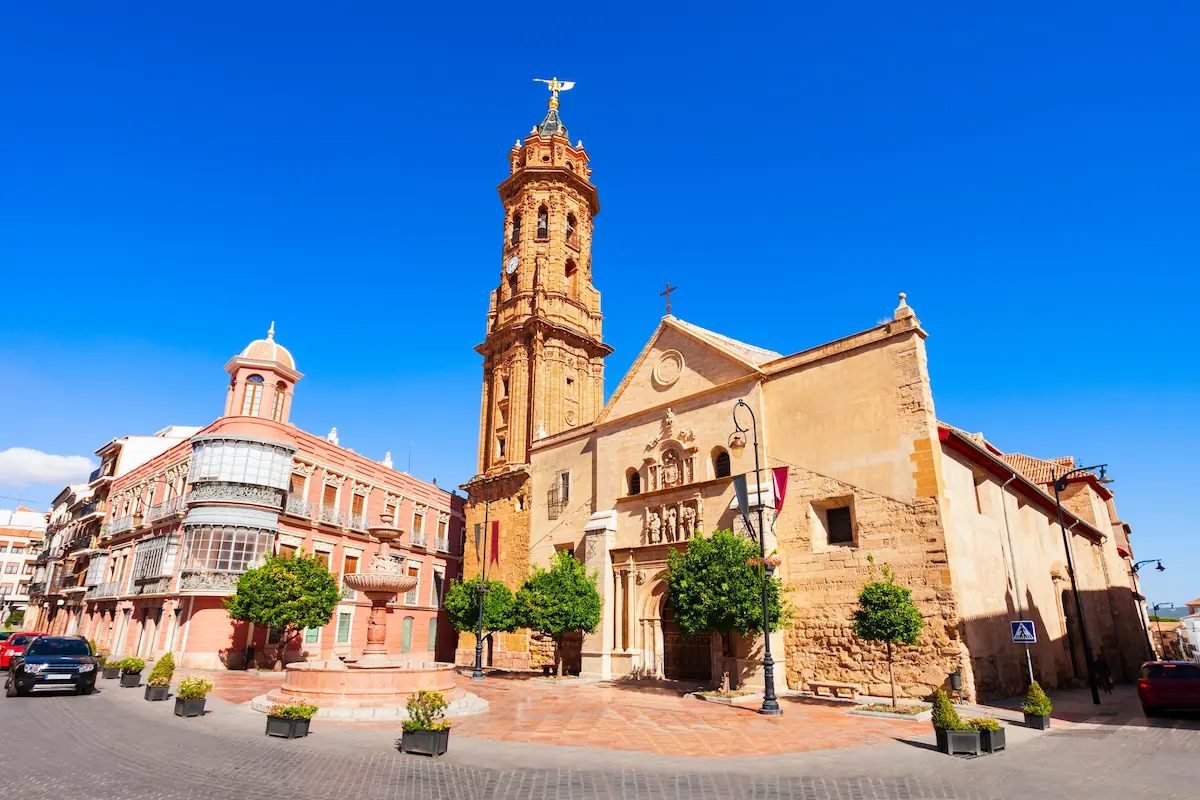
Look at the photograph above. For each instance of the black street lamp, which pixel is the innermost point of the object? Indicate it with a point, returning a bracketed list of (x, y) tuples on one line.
[(1060, 484), (737, 444), (480, 553), (1142, 613), (1162, 643)]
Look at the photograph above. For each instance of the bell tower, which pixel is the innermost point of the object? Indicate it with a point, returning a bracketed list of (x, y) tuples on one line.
[(543, 356)]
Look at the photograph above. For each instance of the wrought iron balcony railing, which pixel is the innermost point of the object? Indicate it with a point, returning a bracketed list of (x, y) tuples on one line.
[(117, 526), (298, 508), (418, 539), (176, 505), (331, 515), (443, 544), (110, 589), (358, 522)]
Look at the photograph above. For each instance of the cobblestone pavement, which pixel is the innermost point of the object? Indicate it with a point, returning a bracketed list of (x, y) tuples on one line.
[(116, 746)]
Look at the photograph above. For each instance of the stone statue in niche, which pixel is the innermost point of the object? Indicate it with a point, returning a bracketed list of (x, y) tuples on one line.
[(654, 528), (671, 473), (671, 531), (688, 524)]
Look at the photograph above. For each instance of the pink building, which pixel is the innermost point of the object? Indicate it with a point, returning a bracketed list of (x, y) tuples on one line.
[(180, 529)]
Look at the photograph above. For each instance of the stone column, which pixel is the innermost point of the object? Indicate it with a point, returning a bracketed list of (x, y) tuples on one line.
[(619, 613)]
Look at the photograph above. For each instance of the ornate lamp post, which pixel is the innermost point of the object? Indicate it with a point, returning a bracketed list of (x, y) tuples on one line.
[(737, 443), (1142, 614), (477, 674), (1162, 643), (1060, 484)]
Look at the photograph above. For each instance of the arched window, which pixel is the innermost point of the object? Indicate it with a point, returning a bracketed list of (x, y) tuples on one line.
[(254, 388), (571, 223), (512, 286), (280, 396), (516, 228), (570, 274), (720, 464), (543, 231), (635, 482)]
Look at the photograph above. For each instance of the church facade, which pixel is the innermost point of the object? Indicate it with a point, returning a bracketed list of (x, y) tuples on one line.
[(872, 474)]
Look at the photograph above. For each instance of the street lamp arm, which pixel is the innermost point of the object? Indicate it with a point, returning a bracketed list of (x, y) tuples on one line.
[(1060, 481)]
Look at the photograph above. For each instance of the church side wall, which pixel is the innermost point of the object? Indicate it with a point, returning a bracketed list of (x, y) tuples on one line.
[(858, 432)]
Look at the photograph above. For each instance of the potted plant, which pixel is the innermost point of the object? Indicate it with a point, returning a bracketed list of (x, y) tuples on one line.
[(991, 734), (289, 722), (131, 672), (953, 735), (1037, 708), (159, 683), (426, 731), (189, 697)]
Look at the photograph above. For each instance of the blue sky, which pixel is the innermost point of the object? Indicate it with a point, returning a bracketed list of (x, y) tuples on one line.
[(173, 180)]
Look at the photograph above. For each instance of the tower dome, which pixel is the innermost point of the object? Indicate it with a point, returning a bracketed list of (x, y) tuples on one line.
[(268, 350)]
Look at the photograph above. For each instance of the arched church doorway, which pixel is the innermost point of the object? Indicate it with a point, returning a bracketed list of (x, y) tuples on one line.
[(685, 658)]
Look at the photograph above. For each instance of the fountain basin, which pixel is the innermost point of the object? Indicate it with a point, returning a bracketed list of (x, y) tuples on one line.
[(388, 582)]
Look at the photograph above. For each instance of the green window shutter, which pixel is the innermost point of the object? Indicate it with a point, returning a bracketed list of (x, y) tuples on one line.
[(406, 635), (432, 634)]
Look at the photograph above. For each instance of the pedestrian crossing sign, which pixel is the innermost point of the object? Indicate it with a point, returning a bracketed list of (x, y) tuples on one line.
[(1022, 632)]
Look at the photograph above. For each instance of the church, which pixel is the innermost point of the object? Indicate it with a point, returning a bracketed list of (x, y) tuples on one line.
[(972, 530)]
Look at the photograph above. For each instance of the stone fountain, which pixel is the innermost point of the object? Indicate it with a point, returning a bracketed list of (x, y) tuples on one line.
[(376, 686)]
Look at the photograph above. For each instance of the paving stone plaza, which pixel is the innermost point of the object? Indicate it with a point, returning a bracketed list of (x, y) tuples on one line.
[(116, 746)]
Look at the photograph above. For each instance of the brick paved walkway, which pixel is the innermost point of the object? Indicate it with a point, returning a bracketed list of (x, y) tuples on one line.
[(115, 746)]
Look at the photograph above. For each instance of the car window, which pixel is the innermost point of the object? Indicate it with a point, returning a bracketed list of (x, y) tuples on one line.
[(1172, 672), (20, 640), (57, 647)]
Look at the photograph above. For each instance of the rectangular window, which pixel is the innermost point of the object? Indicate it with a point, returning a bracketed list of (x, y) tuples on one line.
[(343, 627), (272, 635), (356, 505), (10, 569), (286, 551), (3, 547), (840, 529), (410, 598), (312, 635), (17, 548), (322, 559), (329, 498), (297, 486), (437, 590), (418, 523), (564, 487), (500, 447), (350, 565)]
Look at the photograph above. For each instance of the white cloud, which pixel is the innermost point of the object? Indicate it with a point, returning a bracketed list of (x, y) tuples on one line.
[(22, 465)]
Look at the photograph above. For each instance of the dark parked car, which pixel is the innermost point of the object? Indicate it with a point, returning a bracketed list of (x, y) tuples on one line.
[(1166, 685), (52, 662)]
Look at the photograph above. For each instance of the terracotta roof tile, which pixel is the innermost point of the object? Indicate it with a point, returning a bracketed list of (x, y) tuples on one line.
[(1036, 469)]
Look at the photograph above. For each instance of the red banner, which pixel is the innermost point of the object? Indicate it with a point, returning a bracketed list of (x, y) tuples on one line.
[(780, 474), (495, 558)]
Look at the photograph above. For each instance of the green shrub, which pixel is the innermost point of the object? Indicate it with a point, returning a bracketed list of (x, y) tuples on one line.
[(132, 666), (1037, 704), (95, 648), (193, 689), (426, 712), (163, 671), (979, 724), (292, 712), (945, 717)]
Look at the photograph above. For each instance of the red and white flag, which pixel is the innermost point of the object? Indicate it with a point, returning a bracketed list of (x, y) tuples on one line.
[(780, 476)]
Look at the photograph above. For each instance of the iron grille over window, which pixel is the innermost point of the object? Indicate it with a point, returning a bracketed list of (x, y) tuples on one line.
[(151, 557)]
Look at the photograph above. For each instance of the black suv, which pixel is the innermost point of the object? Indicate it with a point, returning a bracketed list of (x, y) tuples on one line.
[(52, 662)]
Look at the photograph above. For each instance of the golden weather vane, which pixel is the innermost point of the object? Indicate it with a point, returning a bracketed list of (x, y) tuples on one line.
[(556, 86)]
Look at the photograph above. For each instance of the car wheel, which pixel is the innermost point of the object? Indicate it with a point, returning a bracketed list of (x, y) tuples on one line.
[(1150, 711), (84, 689), (11, 690)]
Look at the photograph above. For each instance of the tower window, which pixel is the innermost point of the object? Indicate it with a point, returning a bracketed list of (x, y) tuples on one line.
[(504, 387), (512, 286), (570, 387), (572, 281), (254, 387), (500, 447), (635, 482), (840, 529), (280, 396), (516, 228), (721, 465), (571, 223), (543, 230)]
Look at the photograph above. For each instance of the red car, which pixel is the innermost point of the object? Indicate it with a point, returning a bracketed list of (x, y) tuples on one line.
[(1166, 685), (15, 646)]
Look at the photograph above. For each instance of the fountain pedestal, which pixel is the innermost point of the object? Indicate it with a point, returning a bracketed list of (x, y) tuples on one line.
[(377, 686)]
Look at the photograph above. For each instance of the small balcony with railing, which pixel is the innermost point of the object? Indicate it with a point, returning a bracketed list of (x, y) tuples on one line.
[(176, 506), (442, 544), (418, 539), (94, 508), (117, 526), (358, 521), (101, 590), (331, 515), (104, 472), (37, 587), (298, 507)]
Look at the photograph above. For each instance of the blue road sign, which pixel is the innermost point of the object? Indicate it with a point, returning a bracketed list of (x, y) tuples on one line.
[(1022, 632)]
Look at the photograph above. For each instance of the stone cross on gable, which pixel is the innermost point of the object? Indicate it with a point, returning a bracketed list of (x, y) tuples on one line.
[(667, 294)]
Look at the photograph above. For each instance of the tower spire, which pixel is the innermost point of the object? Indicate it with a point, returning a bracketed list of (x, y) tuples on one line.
[(271, 332), (552, 124)]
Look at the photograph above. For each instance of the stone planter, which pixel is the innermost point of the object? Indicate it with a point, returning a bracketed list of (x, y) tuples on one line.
[(1039, 722), (287, 727), (951, 742), (157, 692), (189, 708), (131, 680), (425, 743), (111, 673), (991, 741)]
